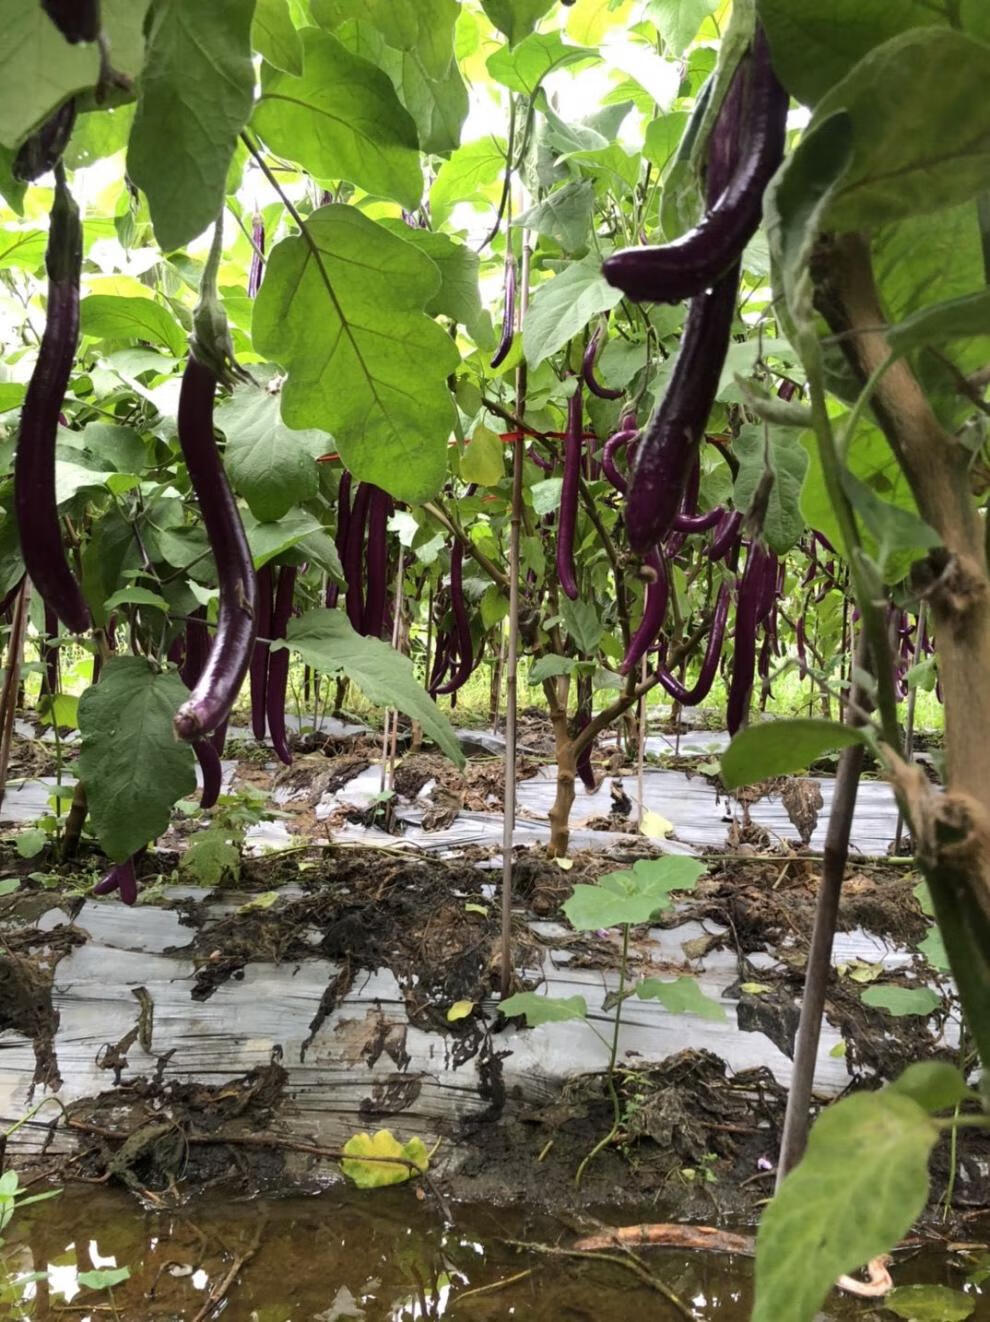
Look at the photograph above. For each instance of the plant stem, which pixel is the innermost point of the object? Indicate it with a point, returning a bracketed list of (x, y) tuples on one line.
[(613, 1056), (12, 679)]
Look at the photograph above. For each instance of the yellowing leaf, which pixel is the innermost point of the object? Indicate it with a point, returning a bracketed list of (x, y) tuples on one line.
[(654, 826), (367, 1163), (263, 901), (565, 864), (459, 1010)]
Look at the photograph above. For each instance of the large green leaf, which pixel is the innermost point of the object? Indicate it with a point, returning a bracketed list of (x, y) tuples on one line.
[(131, 763), (424, 28), (780, 748), (788, 461), (921, 140), (544, 1009), (859, 1188), (39, 69), (271, 466), (439, 106), (633, 896), (364, 361), (563, 306), (341, 120), (325, 640), (271, 538), (459, 295), (929, 1303), (933, 1084), (194, 98), (564, 215), (116, 317), (681, 996), (522, 68), (468, 176), (516, 18), (678, 21), (275, 37), (940, 323), (815, 43), (901, 1001)]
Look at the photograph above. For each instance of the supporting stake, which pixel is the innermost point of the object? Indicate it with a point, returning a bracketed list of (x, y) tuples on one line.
[(798, 1115), (12, 679), (911, 703)]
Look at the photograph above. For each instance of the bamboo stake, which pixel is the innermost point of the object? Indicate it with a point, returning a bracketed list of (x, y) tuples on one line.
[(12, 679)]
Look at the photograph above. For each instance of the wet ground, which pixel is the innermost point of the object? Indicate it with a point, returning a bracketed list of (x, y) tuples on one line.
[(389, 1256)]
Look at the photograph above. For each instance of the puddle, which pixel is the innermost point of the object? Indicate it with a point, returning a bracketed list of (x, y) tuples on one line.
[(386, 1256)]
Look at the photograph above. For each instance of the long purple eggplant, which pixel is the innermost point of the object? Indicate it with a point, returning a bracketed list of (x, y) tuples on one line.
[(353, 556), (120, 878), (259, 660), (583, 765), (257, 270), (620, 440), (700, 258), (43, 150), (699, 522), (216, 691), (567, 518), (588, 370), (197, 648), (376, 562), (77, 20), (726, 535), (209, 764), (34, 466), (462, 625), (709, 665), (278, 664), (509, 319), (654, 612), (441, 664), (751, 593)]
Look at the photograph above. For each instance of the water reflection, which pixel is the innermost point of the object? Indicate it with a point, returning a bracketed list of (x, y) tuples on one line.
[(382, 1257)]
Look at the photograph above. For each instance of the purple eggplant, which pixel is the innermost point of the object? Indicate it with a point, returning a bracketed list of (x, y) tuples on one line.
[(751, 596), (278, 664), (208, 758), (462, 625), (700, 258), (43, 150), (583, 765), (376, 563), (77, 20), (621, 440), (120, 878), (509, 320), (353, 556), (259, 661), (257, 257), (34, 466), (709, 665), (699, 522), (588, 370), (216, 691), (567, 519), (654, 612)]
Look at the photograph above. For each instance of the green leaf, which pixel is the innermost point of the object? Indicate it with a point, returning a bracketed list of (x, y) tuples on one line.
[(933, 949), (29, 845), (631, 897), (439, 106), (272, 539), (268, 464), (274, 36), (544, 1009), (467, 176), (682, 996), (131, 763), (892, 528), (62, 710), (781, 748), (933, 1084), (11, 395), (459, 295), (583, 623), (678, 21), (364, 362), (524, 67), (955, 319), (210, 858), (788, 460), (929, 1303), (913, 152), (516, 18), (901, 1001), (135, 597), (551, 665), (194, 98), (663, 136), (483, 460), (104, 1278), (563, 306), (859, 1188), (325, 640), (10, 884), (39, 69), (341, 120), (564, 215), (422, 27), (115, 317)]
